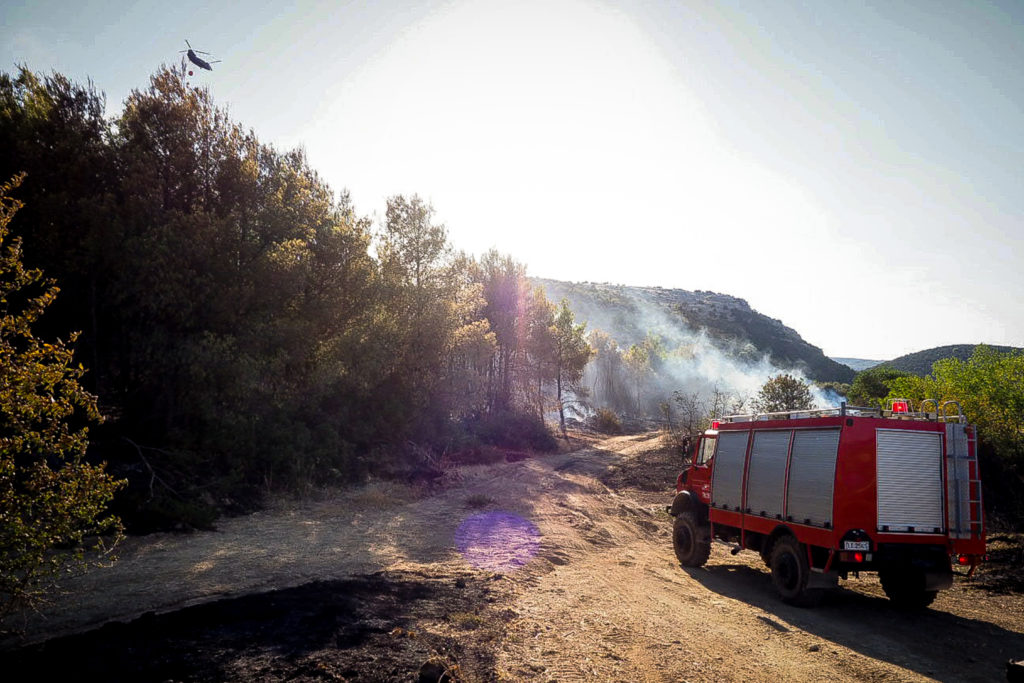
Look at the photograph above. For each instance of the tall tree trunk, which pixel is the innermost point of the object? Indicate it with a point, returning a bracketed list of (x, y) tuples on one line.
[(561, 407)]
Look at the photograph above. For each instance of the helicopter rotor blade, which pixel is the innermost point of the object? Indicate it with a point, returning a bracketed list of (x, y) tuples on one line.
[(200, 52), (188, 43)]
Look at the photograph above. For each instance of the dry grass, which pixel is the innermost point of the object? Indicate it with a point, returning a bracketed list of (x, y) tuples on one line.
[(383, 495), (478, 501)]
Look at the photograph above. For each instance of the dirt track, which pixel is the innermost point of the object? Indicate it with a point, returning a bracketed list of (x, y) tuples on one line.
[(370, 585)]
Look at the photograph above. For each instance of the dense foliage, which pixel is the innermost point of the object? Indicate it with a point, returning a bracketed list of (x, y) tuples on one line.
[(244, 329), (871, 387), (49, 497), (989, 386)]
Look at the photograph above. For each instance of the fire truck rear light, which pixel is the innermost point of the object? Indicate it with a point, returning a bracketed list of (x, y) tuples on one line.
[(963, 559), (854, 557), (715, 424)]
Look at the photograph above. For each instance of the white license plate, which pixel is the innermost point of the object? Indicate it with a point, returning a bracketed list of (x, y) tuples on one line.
[(856, 545)]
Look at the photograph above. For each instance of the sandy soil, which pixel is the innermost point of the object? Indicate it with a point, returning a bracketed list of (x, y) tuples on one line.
[(391, 582)]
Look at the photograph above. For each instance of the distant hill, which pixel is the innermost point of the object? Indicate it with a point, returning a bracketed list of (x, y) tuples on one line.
[(628, 313), (920, 363), (858, 364)]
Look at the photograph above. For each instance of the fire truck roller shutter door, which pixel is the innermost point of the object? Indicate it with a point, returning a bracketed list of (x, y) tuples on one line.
[(727, 478), (766, 478), (909, 469), (812, 476)]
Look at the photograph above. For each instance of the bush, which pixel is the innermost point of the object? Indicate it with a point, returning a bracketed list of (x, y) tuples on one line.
[(783, 392), (871, 386), (606, 422), (53, 504), (517, 431)]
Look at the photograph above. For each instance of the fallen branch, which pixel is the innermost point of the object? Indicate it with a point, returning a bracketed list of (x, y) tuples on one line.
[(153, 476)]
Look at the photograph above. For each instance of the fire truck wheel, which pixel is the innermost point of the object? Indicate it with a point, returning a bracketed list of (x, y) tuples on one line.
[(691, 539), (791, 572), (905, 588)]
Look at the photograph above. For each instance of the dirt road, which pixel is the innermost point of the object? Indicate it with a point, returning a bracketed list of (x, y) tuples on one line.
[(549, 568)]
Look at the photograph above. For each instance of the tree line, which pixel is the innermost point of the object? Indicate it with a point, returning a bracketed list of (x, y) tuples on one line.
[(241, 326)]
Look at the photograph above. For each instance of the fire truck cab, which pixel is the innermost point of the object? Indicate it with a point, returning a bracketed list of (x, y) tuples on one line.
[(823, 493)]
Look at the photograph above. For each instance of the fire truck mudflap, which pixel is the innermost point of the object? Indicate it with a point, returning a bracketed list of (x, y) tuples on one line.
[(825, 493)]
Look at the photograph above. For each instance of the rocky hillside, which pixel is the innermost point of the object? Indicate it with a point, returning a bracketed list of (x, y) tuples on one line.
[(629, 313)]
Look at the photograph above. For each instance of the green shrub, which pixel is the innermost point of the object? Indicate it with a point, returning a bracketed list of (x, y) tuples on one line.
[(53, 503), (606, 422)]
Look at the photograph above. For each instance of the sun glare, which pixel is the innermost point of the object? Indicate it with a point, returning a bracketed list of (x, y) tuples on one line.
[(555, 125)]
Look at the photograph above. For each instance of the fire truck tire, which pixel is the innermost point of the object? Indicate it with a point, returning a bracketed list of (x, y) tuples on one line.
[(691, 539), (906, 588), (791, 573)]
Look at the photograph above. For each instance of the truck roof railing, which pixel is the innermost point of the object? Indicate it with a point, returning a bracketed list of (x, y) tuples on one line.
[(898, 409)]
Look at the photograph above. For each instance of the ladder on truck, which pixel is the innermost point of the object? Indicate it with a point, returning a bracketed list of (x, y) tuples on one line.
[(963, 483)]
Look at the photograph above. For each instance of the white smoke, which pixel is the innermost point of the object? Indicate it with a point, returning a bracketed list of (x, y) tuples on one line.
[(697, 364)]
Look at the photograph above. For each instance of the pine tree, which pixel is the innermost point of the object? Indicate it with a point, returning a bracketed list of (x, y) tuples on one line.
[(572, 353)]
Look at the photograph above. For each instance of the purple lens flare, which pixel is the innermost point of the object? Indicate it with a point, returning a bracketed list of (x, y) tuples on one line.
[(497, 541)]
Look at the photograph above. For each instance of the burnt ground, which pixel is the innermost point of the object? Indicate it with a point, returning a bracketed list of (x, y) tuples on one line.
[(364, 628), (367, 585)]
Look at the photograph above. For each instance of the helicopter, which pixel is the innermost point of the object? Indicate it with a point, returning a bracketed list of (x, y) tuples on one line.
[(198, 61)]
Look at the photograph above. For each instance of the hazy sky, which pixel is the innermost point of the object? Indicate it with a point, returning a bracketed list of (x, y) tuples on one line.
[(851, 168)]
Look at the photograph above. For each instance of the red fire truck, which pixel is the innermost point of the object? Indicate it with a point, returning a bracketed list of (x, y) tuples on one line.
[(823, 493)]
